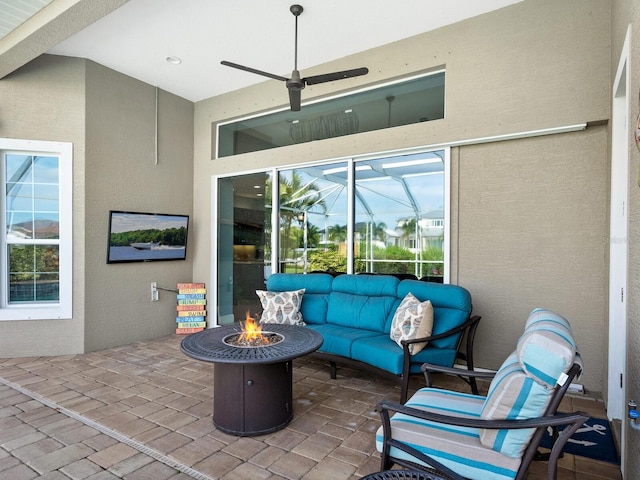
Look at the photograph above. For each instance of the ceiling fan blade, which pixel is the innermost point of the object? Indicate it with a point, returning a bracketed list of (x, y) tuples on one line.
[(294, 99), (330, 77), (253, 70)]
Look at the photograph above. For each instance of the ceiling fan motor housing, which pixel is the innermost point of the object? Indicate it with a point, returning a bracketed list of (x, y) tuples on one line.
[(295, 82)]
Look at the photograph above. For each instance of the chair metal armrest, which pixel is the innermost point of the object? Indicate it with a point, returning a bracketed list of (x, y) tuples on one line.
[(470, 326), (428, 368), (544, 421), (573, 422)]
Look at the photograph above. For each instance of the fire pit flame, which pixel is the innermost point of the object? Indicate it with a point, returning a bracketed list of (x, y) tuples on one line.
[(252, 335)]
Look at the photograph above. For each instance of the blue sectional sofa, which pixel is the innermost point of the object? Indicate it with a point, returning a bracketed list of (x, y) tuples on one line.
[(354, 313)]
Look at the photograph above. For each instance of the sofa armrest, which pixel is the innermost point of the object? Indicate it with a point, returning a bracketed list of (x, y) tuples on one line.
[(468, 330), (471, 321)]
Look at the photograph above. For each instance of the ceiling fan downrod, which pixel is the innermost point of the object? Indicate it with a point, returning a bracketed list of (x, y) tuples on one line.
[(296, 10)]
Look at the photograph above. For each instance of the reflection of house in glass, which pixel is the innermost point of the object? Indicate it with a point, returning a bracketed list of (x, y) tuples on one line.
[(427, 233)]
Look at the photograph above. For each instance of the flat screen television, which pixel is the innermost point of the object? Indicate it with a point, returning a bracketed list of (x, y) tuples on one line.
[(146, 237)]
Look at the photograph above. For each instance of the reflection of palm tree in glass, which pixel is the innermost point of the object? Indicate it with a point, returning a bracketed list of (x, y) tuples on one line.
[(379, 231), (409, 230), (295, 199), (373, 231), (338, 233), (313, 236)]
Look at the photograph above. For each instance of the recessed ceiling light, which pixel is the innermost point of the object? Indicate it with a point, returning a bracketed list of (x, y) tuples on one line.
[(174, 60)]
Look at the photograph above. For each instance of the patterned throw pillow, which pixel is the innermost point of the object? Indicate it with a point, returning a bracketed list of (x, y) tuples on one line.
[(281, 307), (413, 319)]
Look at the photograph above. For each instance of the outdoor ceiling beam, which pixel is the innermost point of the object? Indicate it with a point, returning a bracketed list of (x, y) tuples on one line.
[(47, 28)]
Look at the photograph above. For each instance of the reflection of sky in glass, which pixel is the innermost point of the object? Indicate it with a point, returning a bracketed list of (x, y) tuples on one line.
[(127, 222), (32, 194), (15, 163), (45, 170), (28, 168), (387, 189), (19, 196)]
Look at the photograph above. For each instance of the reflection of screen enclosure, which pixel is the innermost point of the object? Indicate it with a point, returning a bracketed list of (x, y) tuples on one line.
[(398, 225), (146, 237)]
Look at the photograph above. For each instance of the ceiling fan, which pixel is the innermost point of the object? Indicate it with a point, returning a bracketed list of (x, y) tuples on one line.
[(295, 84)]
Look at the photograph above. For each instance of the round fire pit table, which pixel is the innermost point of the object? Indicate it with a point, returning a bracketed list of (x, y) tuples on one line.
[(252, 385)]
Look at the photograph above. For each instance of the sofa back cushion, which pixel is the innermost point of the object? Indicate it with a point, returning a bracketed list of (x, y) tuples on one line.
[(363, 301), (451, 307), (317, 287)]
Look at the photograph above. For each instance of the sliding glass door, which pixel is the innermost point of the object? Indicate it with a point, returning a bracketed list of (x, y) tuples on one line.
[(383, 214), (243, 252)]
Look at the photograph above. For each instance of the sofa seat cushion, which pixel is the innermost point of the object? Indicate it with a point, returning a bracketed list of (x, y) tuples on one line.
[(382, 352), (455, 447), (338, 340)]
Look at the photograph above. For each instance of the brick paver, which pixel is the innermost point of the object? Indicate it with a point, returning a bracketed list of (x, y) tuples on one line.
[(64, 448), (132, 406)]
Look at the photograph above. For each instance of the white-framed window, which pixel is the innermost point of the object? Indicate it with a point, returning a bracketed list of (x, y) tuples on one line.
[(36, 229)]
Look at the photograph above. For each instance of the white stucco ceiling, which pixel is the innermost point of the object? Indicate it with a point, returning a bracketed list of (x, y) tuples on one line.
[(137, 37)]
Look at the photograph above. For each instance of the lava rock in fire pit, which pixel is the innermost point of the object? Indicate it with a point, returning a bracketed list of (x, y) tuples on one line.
[(242, 340)]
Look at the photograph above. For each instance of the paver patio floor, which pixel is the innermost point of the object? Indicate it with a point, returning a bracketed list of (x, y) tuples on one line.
[(145, 411)]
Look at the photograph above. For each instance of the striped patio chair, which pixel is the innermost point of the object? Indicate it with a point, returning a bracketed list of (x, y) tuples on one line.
[(465, 436)]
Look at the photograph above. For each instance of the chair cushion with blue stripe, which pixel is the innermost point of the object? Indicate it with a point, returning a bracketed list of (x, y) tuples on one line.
[(456, 447), (512, 395), (523, 385), (546, 349)]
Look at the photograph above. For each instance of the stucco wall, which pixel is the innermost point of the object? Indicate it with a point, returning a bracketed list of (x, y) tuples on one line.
[(44, 100), (110, 119), (123, 173), (532, 231), (526, 67)]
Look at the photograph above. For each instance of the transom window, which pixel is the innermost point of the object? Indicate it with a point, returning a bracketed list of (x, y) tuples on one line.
[(413, 100)]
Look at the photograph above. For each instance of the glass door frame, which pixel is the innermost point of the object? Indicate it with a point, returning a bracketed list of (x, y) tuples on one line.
[(351, 214)]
